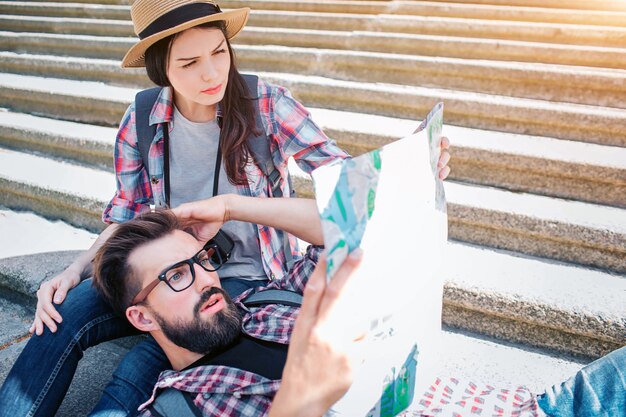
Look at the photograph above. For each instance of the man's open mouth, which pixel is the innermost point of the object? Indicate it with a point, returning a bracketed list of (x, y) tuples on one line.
[(212, 302)]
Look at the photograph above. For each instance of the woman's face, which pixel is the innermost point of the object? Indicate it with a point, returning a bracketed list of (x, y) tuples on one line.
[(198, 66)]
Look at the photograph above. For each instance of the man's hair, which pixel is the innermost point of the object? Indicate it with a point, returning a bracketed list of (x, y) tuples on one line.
[(114, 277)]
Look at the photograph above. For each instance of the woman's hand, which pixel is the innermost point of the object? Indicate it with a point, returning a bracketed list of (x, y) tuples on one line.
[(54, 290), (318, 371), (204, 218), (444, 158)]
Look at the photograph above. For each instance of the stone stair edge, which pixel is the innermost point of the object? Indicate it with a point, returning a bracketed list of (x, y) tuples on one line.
[(597, 241), (587, 172), (491, 12), (604, 5), (574, 34), (489, 112), (428, 45), (577, 85), (351, 130), (23, 275)]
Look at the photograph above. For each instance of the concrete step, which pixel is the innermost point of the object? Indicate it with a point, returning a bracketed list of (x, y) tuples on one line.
[(80, 142), (464, 355), (417, 8), (25, 233), (558, 168), (55, 189), (607, 5), (539, 302), (579, 85), (403, 43), (98, 103), (554, 33), (566, 230), (613, 5)]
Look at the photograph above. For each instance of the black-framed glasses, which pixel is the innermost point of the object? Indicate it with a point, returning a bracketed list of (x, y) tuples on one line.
[(181, 275)]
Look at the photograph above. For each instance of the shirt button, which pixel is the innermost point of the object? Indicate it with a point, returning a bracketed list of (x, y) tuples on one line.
[(237, 394), (272, 276), (154, 180)]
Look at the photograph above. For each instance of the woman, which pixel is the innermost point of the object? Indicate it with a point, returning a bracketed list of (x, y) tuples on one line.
[(203, 112)]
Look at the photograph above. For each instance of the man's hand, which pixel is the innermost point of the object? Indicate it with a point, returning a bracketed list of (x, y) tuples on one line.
[(318, 371), (54, 290), (444, 158)]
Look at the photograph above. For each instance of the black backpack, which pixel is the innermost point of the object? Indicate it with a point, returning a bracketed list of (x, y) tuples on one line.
[(259, 146)]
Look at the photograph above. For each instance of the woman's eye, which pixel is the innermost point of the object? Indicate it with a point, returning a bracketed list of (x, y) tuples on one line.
[(189, 64), (205, 262), (221, 51)]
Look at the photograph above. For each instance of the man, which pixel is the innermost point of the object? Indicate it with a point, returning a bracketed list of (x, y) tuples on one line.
[(229, 358)]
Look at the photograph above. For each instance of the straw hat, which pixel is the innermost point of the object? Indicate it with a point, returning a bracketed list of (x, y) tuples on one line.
[(157, 19)]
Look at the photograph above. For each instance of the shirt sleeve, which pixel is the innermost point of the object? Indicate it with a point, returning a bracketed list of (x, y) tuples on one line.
[(133, 193), (296, 134), (301, 271)]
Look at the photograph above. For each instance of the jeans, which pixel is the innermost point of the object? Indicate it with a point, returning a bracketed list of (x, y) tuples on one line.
[(597, 390), (87, 321)]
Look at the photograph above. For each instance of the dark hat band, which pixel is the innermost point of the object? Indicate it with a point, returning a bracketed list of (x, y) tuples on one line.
[(179, 16)]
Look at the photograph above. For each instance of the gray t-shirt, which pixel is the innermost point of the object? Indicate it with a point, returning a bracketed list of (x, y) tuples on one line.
[(193, 153)]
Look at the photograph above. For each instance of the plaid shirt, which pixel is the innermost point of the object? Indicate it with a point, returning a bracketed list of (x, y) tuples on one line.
[(289, 127), (224, 391)]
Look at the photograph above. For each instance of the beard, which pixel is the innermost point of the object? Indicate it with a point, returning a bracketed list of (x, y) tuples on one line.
[(205, 336)]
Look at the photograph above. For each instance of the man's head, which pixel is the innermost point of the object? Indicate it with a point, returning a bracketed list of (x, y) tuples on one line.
[(163, 281)]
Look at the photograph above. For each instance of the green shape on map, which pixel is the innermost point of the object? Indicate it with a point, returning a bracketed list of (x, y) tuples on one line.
[(399, 390), (377, 160), (371, 201), (339, 201)]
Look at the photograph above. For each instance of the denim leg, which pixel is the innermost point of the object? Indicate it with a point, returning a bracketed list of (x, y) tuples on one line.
[(39, 379), (597, 390), (133, 380), (235, 286)]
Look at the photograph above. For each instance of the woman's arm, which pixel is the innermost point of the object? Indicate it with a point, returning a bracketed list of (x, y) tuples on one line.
[(297, 216)]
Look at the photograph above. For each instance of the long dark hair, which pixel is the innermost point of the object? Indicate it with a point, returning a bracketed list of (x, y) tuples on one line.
[(238, 108)]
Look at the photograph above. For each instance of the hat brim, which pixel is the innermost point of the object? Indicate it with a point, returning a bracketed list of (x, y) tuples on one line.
[(235, 20)]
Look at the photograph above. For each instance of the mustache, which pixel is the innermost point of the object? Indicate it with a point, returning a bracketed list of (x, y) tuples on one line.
[(206, 295)]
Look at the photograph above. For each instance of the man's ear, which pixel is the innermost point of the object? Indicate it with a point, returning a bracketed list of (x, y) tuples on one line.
[(141, 318)]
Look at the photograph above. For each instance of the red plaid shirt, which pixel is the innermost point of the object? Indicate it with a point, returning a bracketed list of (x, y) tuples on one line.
[(224, 391)]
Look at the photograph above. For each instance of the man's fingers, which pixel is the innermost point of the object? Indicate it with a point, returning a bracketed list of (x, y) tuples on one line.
[(312, 295), (443, 159), (443, 174), (338, 282)]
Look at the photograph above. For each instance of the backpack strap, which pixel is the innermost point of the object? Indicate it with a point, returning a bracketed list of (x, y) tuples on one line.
[(273, 296), (144, 102), (172, 402)]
